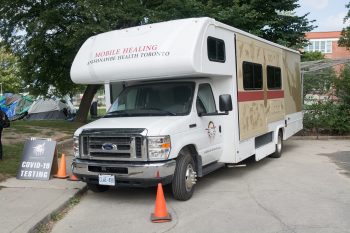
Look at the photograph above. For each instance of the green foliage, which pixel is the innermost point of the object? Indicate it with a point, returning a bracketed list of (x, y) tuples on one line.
[(344, 40), (327, 117), (47, 34), (342, 85), (9, 72), (319, 83), (269, 19), (312, 56)]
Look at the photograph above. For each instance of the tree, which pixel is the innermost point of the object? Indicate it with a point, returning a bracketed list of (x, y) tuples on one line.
[(269, 19), (47, 34), (343, 86), (312, 56), (344, 40), (9, 71), (319, 83)]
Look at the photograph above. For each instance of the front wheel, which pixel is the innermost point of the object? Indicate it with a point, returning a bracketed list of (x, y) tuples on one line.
[(279, 146), (96, 188), (184, 178)]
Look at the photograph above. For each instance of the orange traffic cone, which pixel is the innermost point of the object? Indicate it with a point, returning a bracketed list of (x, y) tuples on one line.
[(73, 178), (62, 174), (160, 212)]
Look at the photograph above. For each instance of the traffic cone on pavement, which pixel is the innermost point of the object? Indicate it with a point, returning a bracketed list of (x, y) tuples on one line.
[(160, 211), (73, 178), (61, 173)]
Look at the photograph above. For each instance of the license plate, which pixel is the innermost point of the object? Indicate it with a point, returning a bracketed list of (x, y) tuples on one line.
[(106, 180)]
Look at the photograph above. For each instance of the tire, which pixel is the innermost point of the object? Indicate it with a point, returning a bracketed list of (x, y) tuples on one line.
[(184, 179), (96, 188), (279, 146)]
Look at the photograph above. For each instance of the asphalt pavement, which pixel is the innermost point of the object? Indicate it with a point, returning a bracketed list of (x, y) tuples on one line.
[(305, 191)]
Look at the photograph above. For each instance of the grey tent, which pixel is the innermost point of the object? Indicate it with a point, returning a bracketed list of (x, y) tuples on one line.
[(47, 109)]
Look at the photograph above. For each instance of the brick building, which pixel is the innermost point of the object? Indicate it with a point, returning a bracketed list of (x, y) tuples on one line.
[(327, 43)]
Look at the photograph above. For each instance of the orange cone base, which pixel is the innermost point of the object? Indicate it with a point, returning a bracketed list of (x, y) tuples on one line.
[(60, 177), (73, 178), (155, 219)]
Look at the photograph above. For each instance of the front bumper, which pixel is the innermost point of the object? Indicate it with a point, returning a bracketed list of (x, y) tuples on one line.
[(126, 173)]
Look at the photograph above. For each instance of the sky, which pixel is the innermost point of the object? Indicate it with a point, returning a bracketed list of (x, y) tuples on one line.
[(329, 14)]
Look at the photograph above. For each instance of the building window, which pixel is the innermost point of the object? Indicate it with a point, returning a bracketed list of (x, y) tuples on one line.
[(252, 76), (216, 49), (323, 46), (274, 78)]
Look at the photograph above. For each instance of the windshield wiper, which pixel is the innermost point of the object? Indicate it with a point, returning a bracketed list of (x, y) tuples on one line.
[(160, 110)]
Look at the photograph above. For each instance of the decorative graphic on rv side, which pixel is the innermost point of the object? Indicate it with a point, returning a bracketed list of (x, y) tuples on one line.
[(135, 52), (211, 129)]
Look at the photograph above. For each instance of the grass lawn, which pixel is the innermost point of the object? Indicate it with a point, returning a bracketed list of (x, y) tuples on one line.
[(15, 136), (101, 111), (24, 126), (11, 158)]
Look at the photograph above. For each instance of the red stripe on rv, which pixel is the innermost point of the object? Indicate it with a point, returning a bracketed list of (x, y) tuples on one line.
[(250, 95), (275, 94), (244, 96)]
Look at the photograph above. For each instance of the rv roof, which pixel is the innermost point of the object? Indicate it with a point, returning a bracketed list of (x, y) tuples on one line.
[(160, 50)]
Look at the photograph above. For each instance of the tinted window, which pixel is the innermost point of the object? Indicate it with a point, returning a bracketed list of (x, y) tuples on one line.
[(274, 79), (252, 76), (216, 49), (205, 100)]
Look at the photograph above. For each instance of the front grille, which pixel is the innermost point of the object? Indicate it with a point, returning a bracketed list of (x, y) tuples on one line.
[(138, 143), (111, 146), (117, 170), (116, 140), (115, 155)]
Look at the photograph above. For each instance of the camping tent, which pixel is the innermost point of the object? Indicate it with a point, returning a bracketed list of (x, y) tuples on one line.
[(47, 109)]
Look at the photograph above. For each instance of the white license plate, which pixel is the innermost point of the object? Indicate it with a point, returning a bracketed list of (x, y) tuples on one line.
[(106, 180)]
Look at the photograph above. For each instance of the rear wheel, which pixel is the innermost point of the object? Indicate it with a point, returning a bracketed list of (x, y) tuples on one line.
[(279, 146), (96, 188), (184, 178)]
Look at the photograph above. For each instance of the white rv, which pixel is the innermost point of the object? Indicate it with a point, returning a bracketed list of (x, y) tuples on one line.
[(186, 97)]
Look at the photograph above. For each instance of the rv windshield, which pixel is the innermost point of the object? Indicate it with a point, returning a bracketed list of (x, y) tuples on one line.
[(156, 99)]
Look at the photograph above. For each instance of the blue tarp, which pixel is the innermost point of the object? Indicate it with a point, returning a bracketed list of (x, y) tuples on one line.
[(15, 106)]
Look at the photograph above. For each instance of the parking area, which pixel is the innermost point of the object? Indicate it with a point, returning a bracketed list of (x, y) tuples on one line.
[(307, 190)]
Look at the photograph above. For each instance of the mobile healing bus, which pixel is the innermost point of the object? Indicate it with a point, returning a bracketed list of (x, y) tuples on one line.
[(185, 97)]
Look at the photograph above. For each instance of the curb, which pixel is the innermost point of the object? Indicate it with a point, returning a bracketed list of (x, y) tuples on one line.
[(320, 137), (48, 217)]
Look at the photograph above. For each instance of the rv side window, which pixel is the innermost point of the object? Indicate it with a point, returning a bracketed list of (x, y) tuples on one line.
[(252, 76), (274, 79), (205, 102), (216, 49)]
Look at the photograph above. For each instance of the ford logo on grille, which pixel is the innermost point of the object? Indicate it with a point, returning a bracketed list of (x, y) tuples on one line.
[(109, 146)]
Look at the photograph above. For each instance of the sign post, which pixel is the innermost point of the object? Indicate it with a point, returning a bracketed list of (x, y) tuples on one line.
[(39, 160)]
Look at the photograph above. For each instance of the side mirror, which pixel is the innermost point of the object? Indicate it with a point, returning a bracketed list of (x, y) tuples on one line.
[(225, 103)]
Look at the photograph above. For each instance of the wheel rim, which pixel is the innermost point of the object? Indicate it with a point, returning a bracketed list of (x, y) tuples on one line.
[(190, 178), (279, 144)]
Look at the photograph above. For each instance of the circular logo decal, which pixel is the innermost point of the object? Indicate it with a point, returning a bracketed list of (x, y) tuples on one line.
[(211, 129)]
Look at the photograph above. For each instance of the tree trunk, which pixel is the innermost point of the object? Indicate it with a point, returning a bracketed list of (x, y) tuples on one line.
[(85, 103)]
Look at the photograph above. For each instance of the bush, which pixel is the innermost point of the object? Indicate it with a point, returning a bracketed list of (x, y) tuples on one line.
[(326, 117)]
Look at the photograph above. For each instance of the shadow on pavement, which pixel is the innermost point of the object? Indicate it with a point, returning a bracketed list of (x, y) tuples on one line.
[(342, 160)]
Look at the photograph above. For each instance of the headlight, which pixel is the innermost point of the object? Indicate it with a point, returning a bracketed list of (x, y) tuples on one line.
[(159, 147), (76, 147)]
